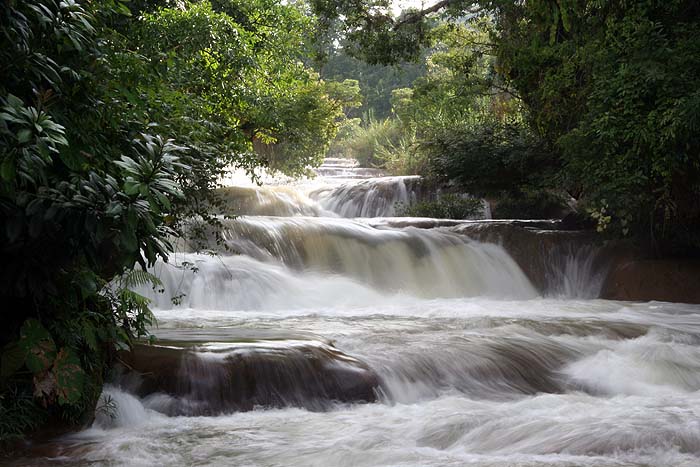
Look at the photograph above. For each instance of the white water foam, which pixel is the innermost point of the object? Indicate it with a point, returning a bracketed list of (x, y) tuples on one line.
[(474, 368)]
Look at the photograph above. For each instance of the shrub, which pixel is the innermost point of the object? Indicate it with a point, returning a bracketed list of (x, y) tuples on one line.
[(529, 205), (450, 206)]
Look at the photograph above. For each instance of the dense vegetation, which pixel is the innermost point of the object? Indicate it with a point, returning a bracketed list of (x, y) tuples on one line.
[(539, 103), (376, 82), (118, 118), (115, 124)]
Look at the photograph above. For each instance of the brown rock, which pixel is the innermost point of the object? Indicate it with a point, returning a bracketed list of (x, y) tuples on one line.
[(663, 280), (539, 247), (312, 375)]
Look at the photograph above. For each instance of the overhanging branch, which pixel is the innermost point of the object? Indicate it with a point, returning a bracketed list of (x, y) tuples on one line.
[(418, 15)]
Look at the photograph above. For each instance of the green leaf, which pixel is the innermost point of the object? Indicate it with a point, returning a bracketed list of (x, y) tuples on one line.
[(164, 201), (14, 101), (37, 345), (123, 339), (24, 136), (132, 187), (128, 240), (12, 360), (89, 335), (114, 209), (43, 150), (87, 283), (70, 377), (123, 9), (7, 169), (72, 160)]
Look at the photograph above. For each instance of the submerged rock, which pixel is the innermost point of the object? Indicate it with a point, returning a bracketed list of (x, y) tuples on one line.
[(221, 378), (663, 280)]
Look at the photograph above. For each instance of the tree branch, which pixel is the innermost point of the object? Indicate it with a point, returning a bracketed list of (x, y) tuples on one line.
[(418, 15)]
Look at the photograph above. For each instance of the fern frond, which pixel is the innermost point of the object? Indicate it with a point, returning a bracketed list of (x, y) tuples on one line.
[(140, 278), (134, 299)]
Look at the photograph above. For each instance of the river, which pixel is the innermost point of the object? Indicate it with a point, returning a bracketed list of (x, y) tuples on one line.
[(476, 366)]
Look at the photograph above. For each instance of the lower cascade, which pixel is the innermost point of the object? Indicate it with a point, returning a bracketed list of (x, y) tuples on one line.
[(317, 330)]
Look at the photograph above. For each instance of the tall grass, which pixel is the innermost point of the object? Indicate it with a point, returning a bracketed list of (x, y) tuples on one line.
[(387, 144)]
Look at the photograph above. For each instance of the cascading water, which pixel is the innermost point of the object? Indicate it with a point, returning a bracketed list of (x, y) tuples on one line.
[(376, 197), (338, 168), (317, 340), (346, 190), (270, 201)]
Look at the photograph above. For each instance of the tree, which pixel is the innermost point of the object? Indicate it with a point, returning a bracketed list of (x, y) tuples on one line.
[(114, 128), (610, 87), (376, 82), (614, 87), (81, 202)]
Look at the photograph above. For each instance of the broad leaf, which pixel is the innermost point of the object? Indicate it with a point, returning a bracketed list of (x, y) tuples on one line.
[(89, 335), (70, 377), (12, 359), (45, 386), (24, 136), (37, 345)]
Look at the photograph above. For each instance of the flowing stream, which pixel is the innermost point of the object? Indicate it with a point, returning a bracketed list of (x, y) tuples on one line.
[(467, 360)]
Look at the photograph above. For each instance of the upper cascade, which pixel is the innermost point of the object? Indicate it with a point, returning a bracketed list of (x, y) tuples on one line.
[(336, 232), (373, 197), (341, 188), (340, 168)]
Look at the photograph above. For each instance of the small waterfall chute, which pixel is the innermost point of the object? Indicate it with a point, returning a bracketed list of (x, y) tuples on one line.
[(418, 262), (374, 197)]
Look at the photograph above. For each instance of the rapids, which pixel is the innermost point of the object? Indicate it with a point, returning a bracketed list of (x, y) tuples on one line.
[(477, 363)]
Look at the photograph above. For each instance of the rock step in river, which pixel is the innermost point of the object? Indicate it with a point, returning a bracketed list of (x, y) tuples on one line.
[(325, 333), (215, 378)]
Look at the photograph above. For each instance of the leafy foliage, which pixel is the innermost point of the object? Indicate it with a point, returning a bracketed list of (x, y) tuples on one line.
[(448, 206), (615, 86), (462, 126), (228, 78), (488, 157), (364, 141), (609, 89), (116, 123), (376, 82)]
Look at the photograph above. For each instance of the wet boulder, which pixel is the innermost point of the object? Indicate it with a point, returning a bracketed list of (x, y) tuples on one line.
[(550, 257), (644, 280), (224, 378)]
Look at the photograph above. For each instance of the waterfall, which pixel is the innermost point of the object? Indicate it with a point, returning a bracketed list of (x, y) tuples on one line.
[(311, 332), (337, 168), (374, 197), (565, 264), (574, 271), (297, 262), (241, 283), (269, 201)]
